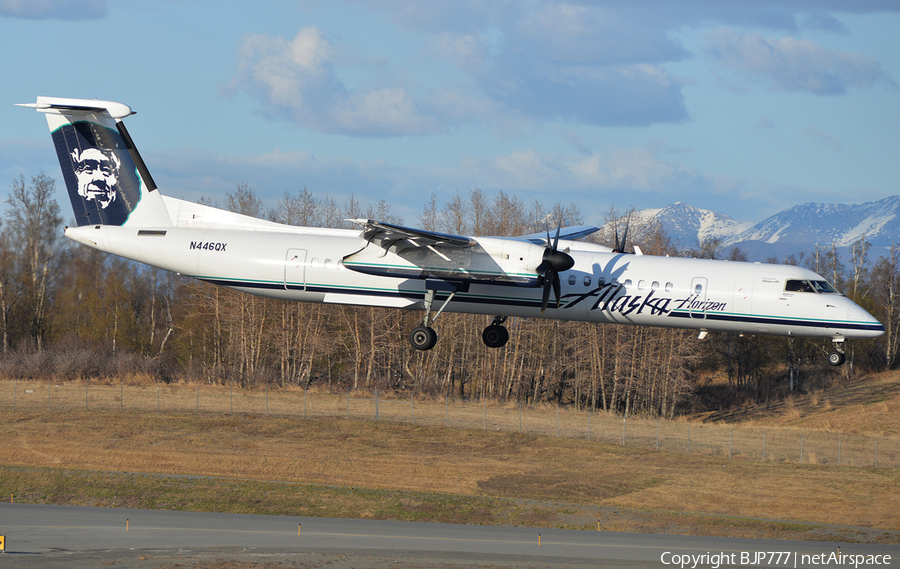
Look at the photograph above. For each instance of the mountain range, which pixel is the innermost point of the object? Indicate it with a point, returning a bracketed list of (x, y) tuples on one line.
[(792, 231)]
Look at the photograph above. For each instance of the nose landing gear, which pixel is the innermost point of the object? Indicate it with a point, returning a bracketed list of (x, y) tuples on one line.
[(837, 357)]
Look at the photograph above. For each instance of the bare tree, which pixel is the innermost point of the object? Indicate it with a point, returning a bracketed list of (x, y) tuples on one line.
[(33, 216)]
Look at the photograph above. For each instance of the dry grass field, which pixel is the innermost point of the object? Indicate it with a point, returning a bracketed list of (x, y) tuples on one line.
[(410, 466), (867, 405)]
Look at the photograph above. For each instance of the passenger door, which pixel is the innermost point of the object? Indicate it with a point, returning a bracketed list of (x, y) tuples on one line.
[(697, 308), (295, 269)]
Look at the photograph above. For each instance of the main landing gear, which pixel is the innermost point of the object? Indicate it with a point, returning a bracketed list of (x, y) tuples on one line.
[(424, 337), (496, 335), (837, 357)]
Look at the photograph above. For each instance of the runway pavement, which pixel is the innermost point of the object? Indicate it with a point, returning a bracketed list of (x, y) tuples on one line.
[(81, 537)]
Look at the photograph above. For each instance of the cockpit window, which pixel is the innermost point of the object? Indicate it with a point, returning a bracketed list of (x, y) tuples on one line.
[(798, 286), (824, 286), (809, 286)]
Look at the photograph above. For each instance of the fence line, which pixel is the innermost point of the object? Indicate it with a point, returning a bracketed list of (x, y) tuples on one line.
[(774, 444)]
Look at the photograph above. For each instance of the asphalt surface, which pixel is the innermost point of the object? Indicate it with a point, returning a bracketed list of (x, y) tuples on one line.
[(81, 537)]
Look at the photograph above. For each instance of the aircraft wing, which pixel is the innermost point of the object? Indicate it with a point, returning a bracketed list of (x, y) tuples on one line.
[(386, 235), (565, 233)]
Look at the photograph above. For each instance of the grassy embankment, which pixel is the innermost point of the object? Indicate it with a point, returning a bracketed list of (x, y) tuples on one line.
[(362, 469)]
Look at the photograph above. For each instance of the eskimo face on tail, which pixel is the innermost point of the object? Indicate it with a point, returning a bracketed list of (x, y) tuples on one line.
[(99, 172)]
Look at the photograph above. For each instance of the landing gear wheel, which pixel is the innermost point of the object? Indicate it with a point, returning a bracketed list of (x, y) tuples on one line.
[(836, 358), (423, 338), (495, 336)]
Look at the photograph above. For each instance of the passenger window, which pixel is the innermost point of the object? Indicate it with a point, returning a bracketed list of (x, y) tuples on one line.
[(328, 263), (587, 280), (669, 287), (642, 285), (314, 262), (698, 289), (571, 279), (655, 285), (601, 281), (627, 283)]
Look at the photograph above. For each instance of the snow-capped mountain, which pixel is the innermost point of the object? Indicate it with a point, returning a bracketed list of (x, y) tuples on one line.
[(793, 230), (688, 225), (840, 224)]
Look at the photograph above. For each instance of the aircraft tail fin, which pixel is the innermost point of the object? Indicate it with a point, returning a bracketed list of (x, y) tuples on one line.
[(106, 178)]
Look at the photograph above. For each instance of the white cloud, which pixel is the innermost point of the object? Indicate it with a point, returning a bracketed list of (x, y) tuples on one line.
[(296, 78), (823, 138), (791, 64), (597, 63)]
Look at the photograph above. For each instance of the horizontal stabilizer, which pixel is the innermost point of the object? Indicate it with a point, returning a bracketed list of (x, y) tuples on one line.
[(69, 106)]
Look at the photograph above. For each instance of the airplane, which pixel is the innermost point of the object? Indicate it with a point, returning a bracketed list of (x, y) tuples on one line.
[(118, 209)]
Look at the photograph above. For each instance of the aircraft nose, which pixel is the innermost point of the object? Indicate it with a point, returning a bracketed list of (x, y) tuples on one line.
[(867, 324)]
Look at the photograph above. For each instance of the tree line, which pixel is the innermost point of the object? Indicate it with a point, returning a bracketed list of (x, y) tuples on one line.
[(71, 312)]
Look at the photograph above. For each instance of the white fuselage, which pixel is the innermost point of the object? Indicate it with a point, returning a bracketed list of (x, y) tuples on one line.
[(314, 265)]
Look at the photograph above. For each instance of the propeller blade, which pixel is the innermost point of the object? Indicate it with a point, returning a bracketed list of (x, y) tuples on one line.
[(556, 287), (545, 296), (556, 239), (620, 245)]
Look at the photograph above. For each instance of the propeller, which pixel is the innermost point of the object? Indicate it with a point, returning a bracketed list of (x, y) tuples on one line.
[(620, 247), (553, 263)]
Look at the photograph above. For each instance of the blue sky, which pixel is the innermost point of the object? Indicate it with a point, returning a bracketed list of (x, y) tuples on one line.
[(743, 107)]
